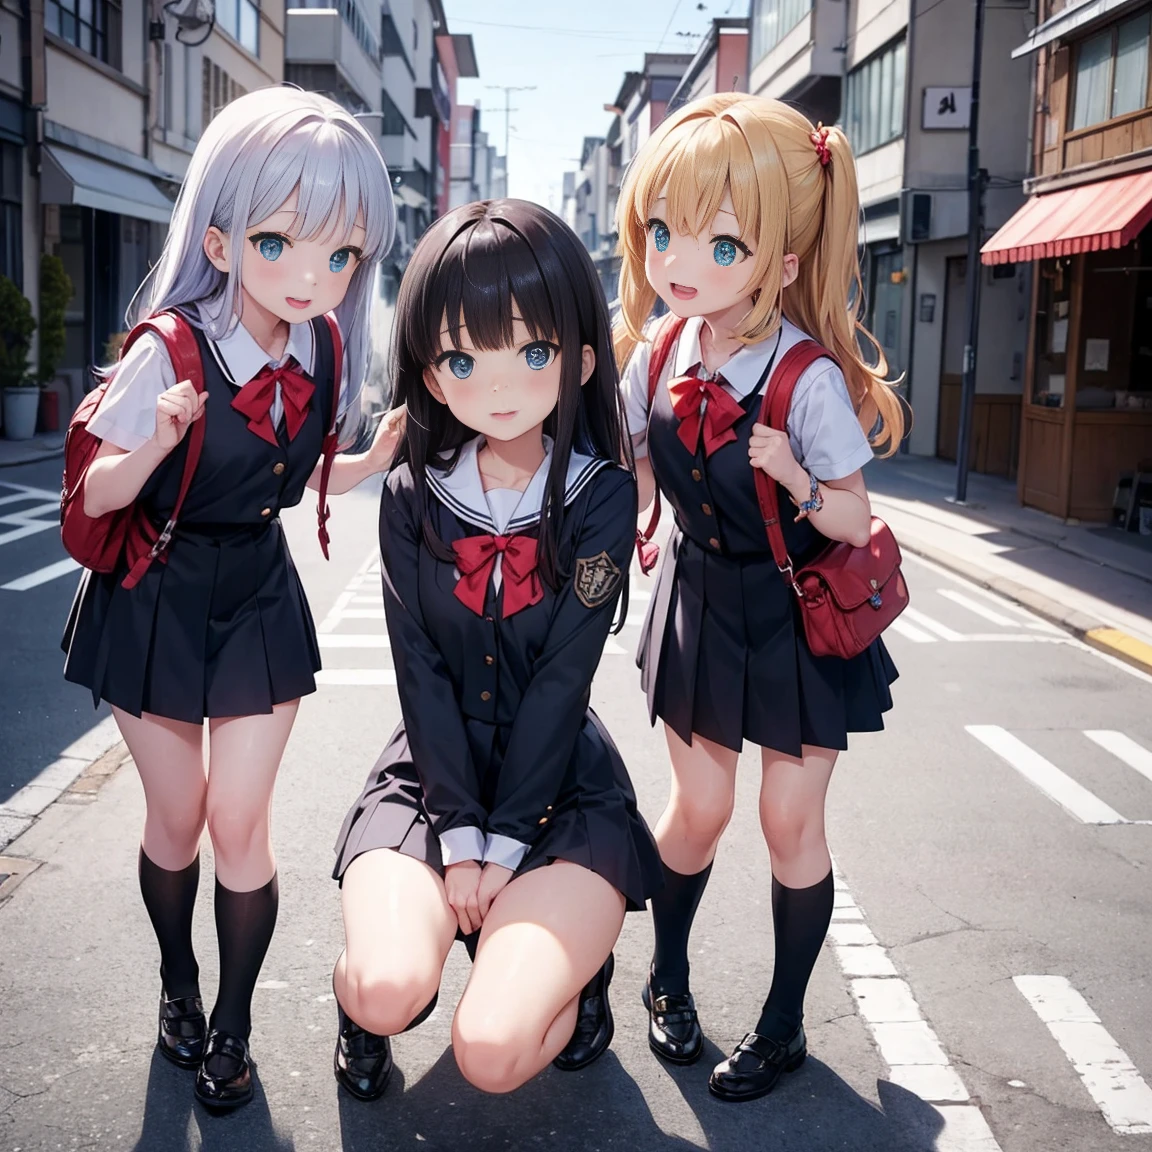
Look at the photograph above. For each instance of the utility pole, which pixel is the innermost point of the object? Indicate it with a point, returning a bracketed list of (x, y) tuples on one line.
[(508, 89), (977, 178)]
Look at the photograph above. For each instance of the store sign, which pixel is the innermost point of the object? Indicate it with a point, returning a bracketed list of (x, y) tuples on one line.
[(946, 108)]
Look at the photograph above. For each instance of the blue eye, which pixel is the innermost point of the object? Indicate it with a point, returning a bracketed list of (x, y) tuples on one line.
[(338, 261), (270, 247), (661, 237), (724, 253), (460, 365), (538, 356)]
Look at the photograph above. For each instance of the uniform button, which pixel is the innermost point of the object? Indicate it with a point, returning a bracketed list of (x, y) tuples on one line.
[(485, 696), (706, 509), (713, 542), (488, 618), (278, 470), (696, 475), (543, 820), (489, 660), (266, 512)]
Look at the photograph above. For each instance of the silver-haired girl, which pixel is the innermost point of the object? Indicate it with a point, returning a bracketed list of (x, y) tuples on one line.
[(284, 212)]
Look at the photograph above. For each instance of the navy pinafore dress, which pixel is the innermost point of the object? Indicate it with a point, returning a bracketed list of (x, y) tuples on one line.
[(223, 628)]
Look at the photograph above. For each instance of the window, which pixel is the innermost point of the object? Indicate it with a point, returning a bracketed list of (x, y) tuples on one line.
[(218, 89), (92, 25), (11, 232), (394, 122), (772, 20), (241, 20), (167, 118), (351, 16), (874, 99), (1112, 73)]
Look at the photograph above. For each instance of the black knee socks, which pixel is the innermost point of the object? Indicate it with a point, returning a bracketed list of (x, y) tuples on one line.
[(170, 898), (673, 910), (244, 924), (800, 919)]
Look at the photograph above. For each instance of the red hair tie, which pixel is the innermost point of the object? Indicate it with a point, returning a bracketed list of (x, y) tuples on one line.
[(819, 139)]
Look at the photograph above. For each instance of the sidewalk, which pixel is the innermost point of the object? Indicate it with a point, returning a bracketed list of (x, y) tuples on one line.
[(44, 447), (1091, 579)]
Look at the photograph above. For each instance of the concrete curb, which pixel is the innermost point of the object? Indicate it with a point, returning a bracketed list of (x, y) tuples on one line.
[(1084, 627), (37, 458)]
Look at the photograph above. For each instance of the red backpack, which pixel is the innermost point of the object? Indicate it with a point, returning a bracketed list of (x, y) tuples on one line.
[(101, 543)]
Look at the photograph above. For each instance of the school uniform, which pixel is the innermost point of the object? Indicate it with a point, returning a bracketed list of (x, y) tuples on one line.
[(722, 652), (498, 757), (222, 627)]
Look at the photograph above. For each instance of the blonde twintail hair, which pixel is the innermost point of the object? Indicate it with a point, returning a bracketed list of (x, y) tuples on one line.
[(764, 153)]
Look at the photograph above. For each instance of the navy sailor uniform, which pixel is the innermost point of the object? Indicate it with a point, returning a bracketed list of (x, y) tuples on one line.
[(223, 628), (722, 651), (498, 757)]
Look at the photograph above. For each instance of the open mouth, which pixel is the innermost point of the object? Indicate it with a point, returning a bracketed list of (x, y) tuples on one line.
[(682, 292), (297, 303)]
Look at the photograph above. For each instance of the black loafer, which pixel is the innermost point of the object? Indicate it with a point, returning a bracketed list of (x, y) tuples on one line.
[(757, 1064), (594, 1023), (182, 1030), (224, 1080), (362, 1061), (673, 1027)]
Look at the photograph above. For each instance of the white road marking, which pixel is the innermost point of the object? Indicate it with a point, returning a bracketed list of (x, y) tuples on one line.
[(377, 599), (356, 677), (916, 1060), (337, 611), (1124, 748), (1109, 1075), (941, 630), (363, 614), (41, 576), (975, 606), (911, 632), (354, 640), (1074, 798)]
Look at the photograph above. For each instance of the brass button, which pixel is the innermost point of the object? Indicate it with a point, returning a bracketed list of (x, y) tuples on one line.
[(713, 542), (488, 618), (549, 808), (696, 475), (543, 820), (266, 512), (706, 509), (489, 660), (485, 696), (278, 470)]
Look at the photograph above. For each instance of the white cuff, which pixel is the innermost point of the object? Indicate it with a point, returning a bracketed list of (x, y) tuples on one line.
[(505, 851), (464, 843)]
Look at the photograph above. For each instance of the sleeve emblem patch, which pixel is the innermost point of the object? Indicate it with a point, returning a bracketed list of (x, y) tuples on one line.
[(597, 579)]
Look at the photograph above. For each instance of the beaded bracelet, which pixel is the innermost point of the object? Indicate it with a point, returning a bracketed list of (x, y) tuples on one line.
[(814, 502)]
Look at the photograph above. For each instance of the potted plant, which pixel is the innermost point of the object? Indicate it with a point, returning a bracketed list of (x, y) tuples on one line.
[(55, 292), (21, 395)]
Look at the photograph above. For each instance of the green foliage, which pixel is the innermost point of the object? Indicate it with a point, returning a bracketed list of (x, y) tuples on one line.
[(16, 328), (55, 292)]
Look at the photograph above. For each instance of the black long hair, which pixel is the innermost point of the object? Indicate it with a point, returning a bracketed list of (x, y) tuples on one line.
[(470, 269)]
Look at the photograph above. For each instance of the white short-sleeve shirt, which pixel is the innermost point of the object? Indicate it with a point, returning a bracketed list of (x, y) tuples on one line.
[(126, 416), (823, 430)]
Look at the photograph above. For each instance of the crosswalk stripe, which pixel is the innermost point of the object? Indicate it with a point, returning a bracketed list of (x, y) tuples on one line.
[(941, 630), (41, 576), (975, 606), (363, 614), (356, 677), (1109, 1075), (354, 640), (911, 632), (1124, 748), (1074, 798)]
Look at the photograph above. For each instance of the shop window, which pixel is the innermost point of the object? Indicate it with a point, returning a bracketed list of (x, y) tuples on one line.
[(874, 99), (1112, 73), (1053, 319), (772, 20), (241, 20), (92, 25), (11, 231)]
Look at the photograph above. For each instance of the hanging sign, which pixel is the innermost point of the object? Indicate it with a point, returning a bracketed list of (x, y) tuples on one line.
[(946, 108)]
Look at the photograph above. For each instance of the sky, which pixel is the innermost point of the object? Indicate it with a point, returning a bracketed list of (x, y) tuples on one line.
[(574, 55)]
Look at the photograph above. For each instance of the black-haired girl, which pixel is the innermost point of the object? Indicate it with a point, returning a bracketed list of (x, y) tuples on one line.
[(500, 805)]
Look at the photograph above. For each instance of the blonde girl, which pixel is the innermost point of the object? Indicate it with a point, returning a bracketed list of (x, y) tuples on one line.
[(742, 217)]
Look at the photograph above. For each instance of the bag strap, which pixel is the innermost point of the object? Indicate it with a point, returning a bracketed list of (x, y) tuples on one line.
[(330, 440), (663, 341), (184, 352), (774, 412)]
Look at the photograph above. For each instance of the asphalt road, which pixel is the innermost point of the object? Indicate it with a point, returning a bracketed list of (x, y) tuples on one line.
[(980, 898)]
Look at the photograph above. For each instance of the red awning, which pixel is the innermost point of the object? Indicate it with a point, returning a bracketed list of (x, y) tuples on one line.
[(1090, 218)]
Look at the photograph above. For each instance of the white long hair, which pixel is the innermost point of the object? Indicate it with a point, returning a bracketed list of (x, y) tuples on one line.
[(251, 158)]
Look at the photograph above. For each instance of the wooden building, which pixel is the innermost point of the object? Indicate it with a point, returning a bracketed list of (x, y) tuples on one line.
[(1086, 418)]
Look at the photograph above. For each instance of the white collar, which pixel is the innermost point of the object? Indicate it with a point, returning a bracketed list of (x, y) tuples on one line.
[(241, 359), (461, 490), (743, 371)]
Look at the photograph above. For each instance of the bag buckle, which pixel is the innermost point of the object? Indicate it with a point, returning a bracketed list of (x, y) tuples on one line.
[(163, 540), (788, 574)]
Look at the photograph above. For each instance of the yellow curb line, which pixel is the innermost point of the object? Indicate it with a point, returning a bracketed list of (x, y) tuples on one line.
[(1121, 645)]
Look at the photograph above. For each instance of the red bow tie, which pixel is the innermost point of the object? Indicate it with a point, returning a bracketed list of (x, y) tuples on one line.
[(255, 399), (720, 413), (475, 559)]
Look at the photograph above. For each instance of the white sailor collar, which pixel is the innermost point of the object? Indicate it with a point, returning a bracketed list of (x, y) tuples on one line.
[(743, 371), (241, 359), (461, 490)]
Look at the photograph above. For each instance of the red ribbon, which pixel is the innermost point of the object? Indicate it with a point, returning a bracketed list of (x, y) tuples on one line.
[(719, 415), (819, 140), (475, 559), (255, 399)]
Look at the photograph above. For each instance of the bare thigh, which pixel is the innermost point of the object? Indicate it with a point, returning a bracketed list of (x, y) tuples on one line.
[(398, 928), (793, 791), (545, 936), (169, 755)]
